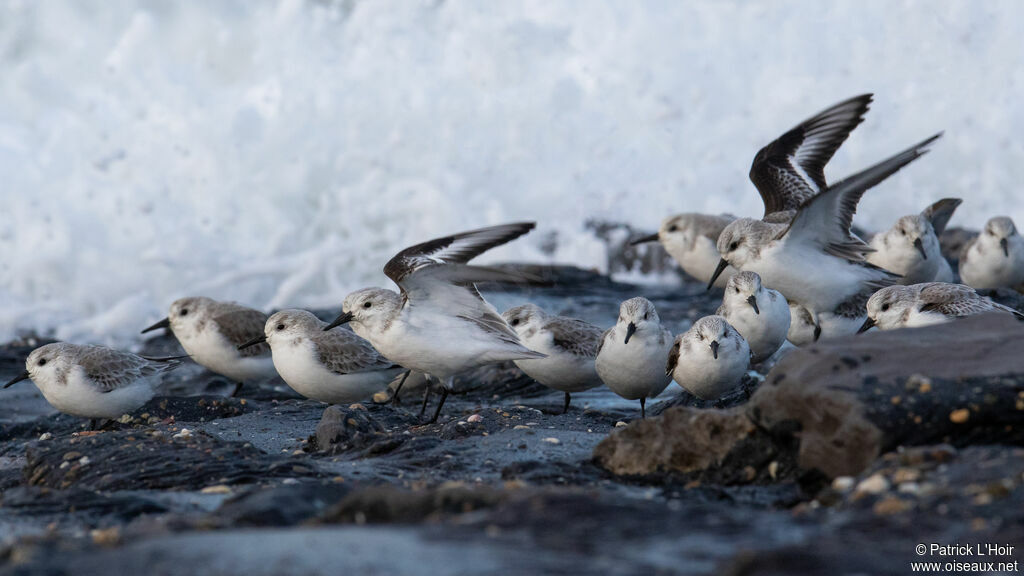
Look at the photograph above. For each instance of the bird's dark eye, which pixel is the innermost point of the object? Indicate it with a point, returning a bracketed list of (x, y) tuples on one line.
[(184, 311), (737, 289), (645, 315), (903, 232), (280, 326), (515, 322), (733, 246), (885, 307), (367, 304), (42, 361), (673, 228)]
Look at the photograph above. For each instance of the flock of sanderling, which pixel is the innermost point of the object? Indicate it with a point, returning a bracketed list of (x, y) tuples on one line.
[(799, 274)]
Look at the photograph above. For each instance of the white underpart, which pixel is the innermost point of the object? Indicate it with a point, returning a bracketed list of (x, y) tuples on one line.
[(635, 370), (300, 367), (764, 332), (899, 256), (561, 370), (987, 266), (81, 397), (698, 258), (211, 350), (707, 377)]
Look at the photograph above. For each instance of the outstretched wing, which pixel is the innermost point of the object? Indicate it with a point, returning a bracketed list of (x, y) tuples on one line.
[(240, 325), (454, 249), (575, 336), (825, 220), (940, 212), (791, 170), (343, 352), (113, 369)]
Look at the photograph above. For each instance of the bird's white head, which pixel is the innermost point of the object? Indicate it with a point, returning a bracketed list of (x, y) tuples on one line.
[(637, 315), (888, 308), (741, 241), (743, 289), (524, 317), (370, 310), (290, 327), (709, 335)]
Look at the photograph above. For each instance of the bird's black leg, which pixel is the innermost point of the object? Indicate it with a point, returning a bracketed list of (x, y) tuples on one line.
[(93, 424), (566, 407), (394, 397), (426, 397), (238, 388), (444, 396), (643, 407)]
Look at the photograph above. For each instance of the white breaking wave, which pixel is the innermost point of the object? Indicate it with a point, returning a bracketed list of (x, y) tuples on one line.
[(279, 154)]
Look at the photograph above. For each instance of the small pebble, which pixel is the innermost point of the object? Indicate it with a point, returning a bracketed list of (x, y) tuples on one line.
[(185, 433), (45, 436), (216, 489), (475, 418), (959, 416), (842, 483), (552, 440), (874, 484), (620, 424)]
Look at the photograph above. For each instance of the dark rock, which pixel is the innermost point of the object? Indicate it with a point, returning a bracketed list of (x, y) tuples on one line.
[(345, 428), (152, 459), (285, 505), (959, 382), (100, 507), (387, 504)]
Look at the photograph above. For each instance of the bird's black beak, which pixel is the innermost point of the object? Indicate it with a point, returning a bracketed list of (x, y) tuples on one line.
[(23, 376), (868, 323), (920, 248), (1006, 247), (714, 348), (343, 318), (165, 323), (630, 330), (645, 239), (257, 340), (752, 299), (722, 265)]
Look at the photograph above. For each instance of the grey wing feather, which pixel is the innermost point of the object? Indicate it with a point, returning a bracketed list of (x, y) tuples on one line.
[(604, 336), (343, 352), (240, 325), (673, 359), (575, 336), (112, 369), (956, 300), (791, 169), (940, 212)]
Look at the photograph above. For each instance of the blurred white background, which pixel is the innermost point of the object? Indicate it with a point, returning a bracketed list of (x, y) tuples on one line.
[(278, 153)]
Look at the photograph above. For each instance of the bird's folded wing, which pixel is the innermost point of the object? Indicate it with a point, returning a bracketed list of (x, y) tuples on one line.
[(113, 369), (575, 336), (824, 221), (956, 300), (240, 325), (791, 169), (343, 352)]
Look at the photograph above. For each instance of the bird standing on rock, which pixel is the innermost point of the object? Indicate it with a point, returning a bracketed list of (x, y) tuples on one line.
[(632, 354)]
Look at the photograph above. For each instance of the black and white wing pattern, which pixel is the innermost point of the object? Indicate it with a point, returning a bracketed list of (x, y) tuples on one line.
[(454, 249), (436, 271), (575, 336), (343, 352), (112, 369), (791, 170), (956, 300), (825, 219), (940, 212)]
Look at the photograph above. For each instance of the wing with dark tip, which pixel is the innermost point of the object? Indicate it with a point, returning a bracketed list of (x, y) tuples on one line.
[(956, 300), (940, 213), (825, 220), (673, 358), (575, 336), (454, 249), (791, 170), (112, 369), (240, 325)]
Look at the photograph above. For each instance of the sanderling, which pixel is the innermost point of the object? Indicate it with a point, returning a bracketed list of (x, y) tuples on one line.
[(690, 240), (815, 260), (759, 314), (91, 381), (843, 320), (211, 331), (926, 304), (709, 359), (440, 324), (911, 247), (632, 354), (336, 366), (570, 344), (995, 258)]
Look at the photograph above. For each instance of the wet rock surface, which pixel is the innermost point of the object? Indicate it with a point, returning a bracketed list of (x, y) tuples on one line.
[(753, 483)]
